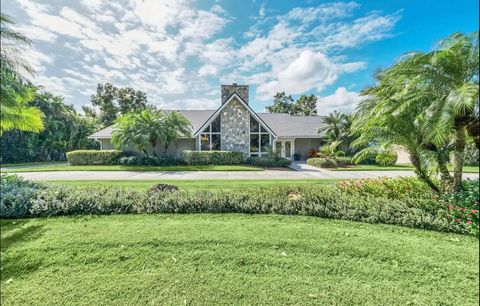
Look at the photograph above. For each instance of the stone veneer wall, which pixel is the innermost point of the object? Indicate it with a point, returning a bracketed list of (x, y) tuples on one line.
[(228, 90), (235, 124)]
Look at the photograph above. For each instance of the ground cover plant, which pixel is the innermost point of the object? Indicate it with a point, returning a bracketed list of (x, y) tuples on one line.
[(224, 259), (366, 203)]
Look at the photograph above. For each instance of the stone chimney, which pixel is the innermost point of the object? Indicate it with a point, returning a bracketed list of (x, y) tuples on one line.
[(228, 90)]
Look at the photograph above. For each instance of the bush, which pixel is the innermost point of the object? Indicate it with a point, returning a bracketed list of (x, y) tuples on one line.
[(368, 159), (212, 157), (386, 159), (311, 153), (268, 161), (150, 161), (391, 188), (94, 157), (15, 195), (163, 188), (343, 161), (321, 162), (321, 201), (464, 205)]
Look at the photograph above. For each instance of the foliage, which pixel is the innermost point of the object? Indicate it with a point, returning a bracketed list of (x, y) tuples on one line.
[(150, 127), (322, 162), (337, 127), (15, 195), (464, 205), (113, 102), (163, 188), (212, 157), (387, 158), (321, 201), (343, 161), (330, 151), (268, 161), (94, 157), (391, 188), (312, 153), (304, 106), (472, 157), (164, 160), (65, 130)]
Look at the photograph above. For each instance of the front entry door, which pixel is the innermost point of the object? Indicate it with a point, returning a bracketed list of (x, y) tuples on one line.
[(284, 148)]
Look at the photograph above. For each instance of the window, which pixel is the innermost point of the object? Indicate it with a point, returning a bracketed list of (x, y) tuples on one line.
[(260, 139), (211, 138)]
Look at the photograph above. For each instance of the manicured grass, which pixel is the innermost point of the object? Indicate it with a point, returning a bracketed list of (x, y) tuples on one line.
[(136, 168), (466, 169), (196, 184), (232, 260), (34, 164)]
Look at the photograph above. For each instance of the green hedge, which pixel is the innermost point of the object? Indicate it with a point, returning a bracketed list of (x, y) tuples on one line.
[(212, 157), (321, 162), (269, 162), (345, 202), (94, 157)]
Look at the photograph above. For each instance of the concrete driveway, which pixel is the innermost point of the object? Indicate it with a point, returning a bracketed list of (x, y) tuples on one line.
[(298, 172)]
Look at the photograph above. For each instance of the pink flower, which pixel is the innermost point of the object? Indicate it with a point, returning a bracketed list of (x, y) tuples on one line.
[(450, 207), (458, 219), (474, 211), (469, 222)]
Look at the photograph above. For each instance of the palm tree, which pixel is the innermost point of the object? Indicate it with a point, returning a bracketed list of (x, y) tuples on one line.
[(140, 129), (16, 92), (334, 123), (444, 83), (10, 54), (150, 127), (176, 125)]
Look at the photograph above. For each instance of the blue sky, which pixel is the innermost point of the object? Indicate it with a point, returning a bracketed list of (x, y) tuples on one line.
[(179, 52)]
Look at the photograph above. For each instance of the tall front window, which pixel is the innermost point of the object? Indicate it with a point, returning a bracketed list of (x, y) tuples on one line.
[(260, 139), (211, 137)]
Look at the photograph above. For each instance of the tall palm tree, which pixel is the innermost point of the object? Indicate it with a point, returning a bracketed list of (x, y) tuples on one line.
[(176, 125), (10, 53), (16, 92), (444, 83)]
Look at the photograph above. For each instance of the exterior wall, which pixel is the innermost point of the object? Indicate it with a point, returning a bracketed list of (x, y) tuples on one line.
[(303, 145), (235, 127), (174, 149), (228, 90)]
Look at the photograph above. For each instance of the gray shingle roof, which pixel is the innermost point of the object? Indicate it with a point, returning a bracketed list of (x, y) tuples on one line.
[(283, 125)]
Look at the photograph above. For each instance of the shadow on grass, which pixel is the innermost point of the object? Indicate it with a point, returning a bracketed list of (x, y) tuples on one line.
[(17, 263)]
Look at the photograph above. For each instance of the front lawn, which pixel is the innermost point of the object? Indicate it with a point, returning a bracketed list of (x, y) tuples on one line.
[(466, 169), (135, 168), (204, 259), (142, 185)]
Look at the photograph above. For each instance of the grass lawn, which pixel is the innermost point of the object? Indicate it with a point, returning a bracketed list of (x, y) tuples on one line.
[(135, 168), (466, 169), (230, 259), (34, 164), (196, 184)]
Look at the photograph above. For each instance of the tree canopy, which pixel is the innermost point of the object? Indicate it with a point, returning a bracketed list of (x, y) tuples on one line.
[(283, 103)]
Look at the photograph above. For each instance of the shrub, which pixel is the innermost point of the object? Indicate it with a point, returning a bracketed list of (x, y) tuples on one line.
[(343, 161), (15, 195), (94, 157), (312, 153), (321, 201), (368, 159), (391, 188), (268, 161), (150, 161), (163, 188), (386, 159), (212, 157), (464, 205), (321, 162)]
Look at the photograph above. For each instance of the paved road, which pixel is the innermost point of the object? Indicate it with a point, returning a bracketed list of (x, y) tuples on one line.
[(227, 175)]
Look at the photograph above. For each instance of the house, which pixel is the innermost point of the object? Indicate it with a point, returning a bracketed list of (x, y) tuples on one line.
[(235, 126)]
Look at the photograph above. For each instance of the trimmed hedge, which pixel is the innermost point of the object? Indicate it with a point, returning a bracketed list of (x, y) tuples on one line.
[(94, 157), (166, 160), (212, 157), (269, 162), (321, 162), (343, 161)]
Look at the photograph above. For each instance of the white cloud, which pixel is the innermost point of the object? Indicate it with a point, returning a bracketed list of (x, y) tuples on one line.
[(261, 13), (38, 34), (342, 100)]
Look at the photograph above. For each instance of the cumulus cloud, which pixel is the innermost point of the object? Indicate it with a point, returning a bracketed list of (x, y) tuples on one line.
[(342, 100)]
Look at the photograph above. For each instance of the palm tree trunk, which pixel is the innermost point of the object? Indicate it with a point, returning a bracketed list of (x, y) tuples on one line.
[(460, 143), (446, 180), (473, 130), (421, 173)]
